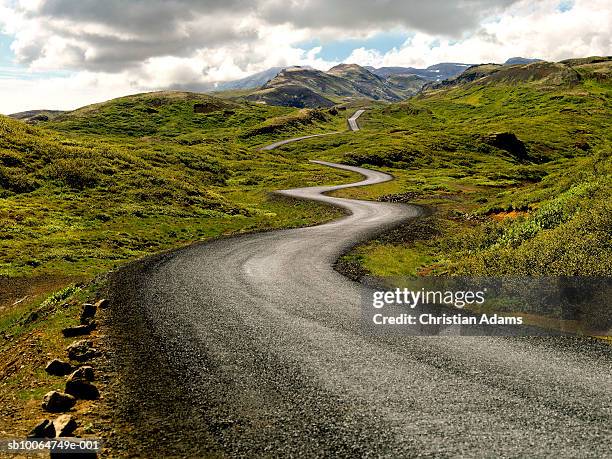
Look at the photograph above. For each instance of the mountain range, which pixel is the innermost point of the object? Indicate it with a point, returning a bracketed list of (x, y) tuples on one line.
[(306, 87)]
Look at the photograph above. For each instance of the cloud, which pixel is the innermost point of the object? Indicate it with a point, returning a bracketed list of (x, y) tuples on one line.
[(115, 35), (141, 45), (61, 93), (432, 16), (528, 29)]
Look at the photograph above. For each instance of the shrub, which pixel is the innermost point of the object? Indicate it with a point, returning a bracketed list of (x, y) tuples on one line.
[(16, 180), (75, 173)]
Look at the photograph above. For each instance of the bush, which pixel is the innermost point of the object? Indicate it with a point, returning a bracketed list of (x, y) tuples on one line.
[(75, 173), (16, 180)]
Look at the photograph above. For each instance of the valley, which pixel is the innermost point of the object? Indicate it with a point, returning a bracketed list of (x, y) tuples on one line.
[(510, 164)]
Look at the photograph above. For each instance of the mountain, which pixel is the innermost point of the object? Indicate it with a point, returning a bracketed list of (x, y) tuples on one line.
[(251, 82), (36, 116), (520, 60), (435, 72), (540, 74), (406, 84), (364, 82), (306, 87)]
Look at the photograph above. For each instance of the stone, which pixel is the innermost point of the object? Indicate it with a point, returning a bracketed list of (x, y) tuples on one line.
[(58, 402), (85, 372), (102, 304), (64, 425), (88, 313), (57, 367), (509, 142), (82, 389), (43, 429), (81, 350), (78, 330)]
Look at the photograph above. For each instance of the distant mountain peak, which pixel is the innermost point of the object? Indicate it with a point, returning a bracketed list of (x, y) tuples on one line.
[(521, 61), (346, 67)]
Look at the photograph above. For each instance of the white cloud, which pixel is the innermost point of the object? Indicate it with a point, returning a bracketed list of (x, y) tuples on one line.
[(114, 47), (63, 93), (528, 29)]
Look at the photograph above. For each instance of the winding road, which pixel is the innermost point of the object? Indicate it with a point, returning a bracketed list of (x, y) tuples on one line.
[(352, 121), (252, 346)]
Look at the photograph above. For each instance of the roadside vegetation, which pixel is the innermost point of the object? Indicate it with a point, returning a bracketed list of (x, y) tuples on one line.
[(107, 184), (514, 176)]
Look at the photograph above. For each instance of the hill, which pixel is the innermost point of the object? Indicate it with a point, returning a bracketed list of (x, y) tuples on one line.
[(119, 179), (436, 72), (183, 117), (306, 87), (520, 60), (36, 116), (538, 73), (406, 84), (517, 162)]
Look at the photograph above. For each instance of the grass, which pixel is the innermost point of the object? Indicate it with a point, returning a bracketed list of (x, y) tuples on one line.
[(545, 211), (110, 183), (106, 184)]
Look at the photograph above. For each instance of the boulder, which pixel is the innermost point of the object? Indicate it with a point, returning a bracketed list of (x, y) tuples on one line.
[(81, 350), (58, 368), (64, 425), (87, 313), (85, 372), (57, 402), (78, 330), (509, 142), (43, 429), (82, 389)]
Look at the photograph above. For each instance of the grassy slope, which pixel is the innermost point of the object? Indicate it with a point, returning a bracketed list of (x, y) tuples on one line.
[(495, 213), (111, 183), (116, 181)]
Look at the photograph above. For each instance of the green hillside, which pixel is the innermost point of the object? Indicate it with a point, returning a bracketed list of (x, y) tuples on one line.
[(115, 181), (306, 87), (516, 171)]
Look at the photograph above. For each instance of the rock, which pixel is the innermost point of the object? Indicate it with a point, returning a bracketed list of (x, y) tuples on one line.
[(509, 142), (87, 313), (78, 330), (103, 303), (64, 425), (81, 350), (82, 389), (85, 372), (58, 368), (57, 402), (44, 429)]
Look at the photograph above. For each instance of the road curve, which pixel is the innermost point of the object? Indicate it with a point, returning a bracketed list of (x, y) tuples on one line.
[(352, 121), (352, 124), (280, 143), (251, 346)]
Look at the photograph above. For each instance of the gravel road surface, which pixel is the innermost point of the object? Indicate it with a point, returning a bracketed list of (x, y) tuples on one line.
[(252, 346)]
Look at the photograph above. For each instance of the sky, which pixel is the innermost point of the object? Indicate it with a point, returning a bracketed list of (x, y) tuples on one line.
[(63, 54)]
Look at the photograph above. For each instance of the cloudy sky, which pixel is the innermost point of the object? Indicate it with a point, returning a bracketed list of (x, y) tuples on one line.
[(62, 54)]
